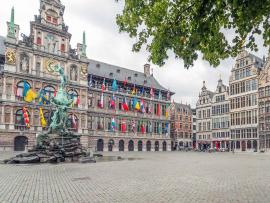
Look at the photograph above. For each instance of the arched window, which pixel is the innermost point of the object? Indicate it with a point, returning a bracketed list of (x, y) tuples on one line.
[(49, 92), (74, 96), (19, 90), (63, 48), (19, 120), (73, 123), (38, 41)]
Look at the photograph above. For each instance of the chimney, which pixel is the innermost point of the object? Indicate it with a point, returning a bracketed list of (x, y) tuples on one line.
[(147, 69)]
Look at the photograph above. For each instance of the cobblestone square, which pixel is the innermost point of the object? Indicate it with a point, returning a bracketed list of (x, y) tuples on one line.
[(152, 177)]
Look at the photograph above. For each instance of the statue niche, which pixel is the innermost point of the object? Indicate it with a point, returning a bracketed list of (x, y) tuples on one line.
[(73, 73), (24, 62)]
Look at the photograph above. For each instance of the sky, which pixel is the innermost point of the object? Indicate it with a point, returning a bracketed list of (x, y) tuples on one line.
[(106, 44)]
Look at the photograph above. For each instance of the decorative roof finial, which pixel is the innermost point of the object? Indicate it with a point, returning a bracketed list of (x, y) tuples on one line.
[(11, 31), (84, 45)]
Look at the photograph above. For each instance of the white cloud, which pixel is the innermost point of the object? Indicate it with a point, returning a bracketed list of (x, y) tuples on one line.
[(97, 18)]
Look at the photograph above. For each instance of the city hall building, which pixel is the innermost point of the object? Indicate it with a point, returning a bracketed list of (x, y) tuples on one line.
[(137, 120)]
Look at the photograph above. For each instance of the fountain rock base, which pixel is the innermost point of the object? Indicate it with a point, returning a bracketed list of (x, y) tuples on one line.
[(54, 149)]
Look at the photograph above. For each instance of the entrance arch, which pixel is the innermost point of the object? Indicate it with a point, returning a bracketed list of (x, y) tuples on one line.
[(164, 146), (249, 144), (255, 144), (100, 145), (148, 146), (237, 144), (130, 145), (121, 145), (156, 145), (20, 142), (140, 145), (110, 145), (243, 144)]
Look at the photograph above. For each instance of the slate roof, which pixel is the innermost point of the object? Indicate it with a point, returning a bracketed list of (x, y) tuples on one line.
[(2, 45), (120, 74), (179, 106)]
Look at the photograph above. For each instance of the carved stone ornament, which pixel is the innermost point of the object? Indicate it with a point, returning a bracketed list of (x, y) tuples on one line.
[(49, 63), (10, 56), (84, 71)]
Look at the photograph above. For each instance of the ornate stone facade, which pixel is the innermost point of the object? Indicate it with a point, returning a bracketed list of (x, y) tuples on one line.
[(181, 126), (203, 121), (135, 130), (264, 106), (221, 117), (28, 61), (244, 102)]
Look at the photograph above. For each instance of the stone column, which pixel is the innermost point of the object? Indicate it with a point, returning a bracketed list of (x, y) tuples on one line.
[(4, 96), (12, 93)]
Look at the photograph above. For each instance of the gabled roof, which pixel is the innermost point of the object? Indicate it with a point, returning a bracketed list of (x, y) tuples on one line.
[(2, 45), (109, 71), (181, 106)]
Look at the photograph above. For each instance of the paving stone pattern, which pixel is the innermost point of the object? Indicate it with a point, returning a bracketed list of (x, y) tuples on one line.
[(156, 177)]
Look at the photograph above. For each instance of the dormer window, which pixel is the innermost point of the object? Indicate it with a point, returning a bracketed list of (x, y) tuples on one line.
[(136, 75), (129, 78), (52, 17), (97, 65), (111, 74), (118, 71)]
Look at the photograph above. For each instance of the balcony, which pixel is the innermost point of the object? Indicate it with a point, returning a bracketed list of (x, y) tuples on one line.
[(21, 127)]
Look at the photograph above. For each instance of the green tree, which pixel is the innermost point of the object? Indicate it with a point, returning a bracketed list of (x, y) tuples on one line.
[(187, 27)]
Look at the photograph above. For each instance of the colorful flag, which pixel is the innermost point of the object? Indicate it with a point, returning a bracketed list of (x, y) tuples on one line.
[(133, 90), (134, 101), (42, 119), (26, 117), (74, 123), (123, 126), (90, 83), (150, 110), (150, 127), (112, 102), (54, 94), (152, 94), (167, 110), (159, 95), (78, 100), (125, 105), (101, 103), (113, 124), (158, 109), (26, 88), (137, 105), (168, 95), (103, 85), (167, 128), (142, 106), (125, 82), (133, 126), (114, 85), (28, 94), (142, 128)]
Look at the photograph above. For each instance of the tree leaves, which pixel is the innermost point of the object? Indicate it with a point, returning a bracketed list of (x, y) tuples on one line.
[(187, 27)]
